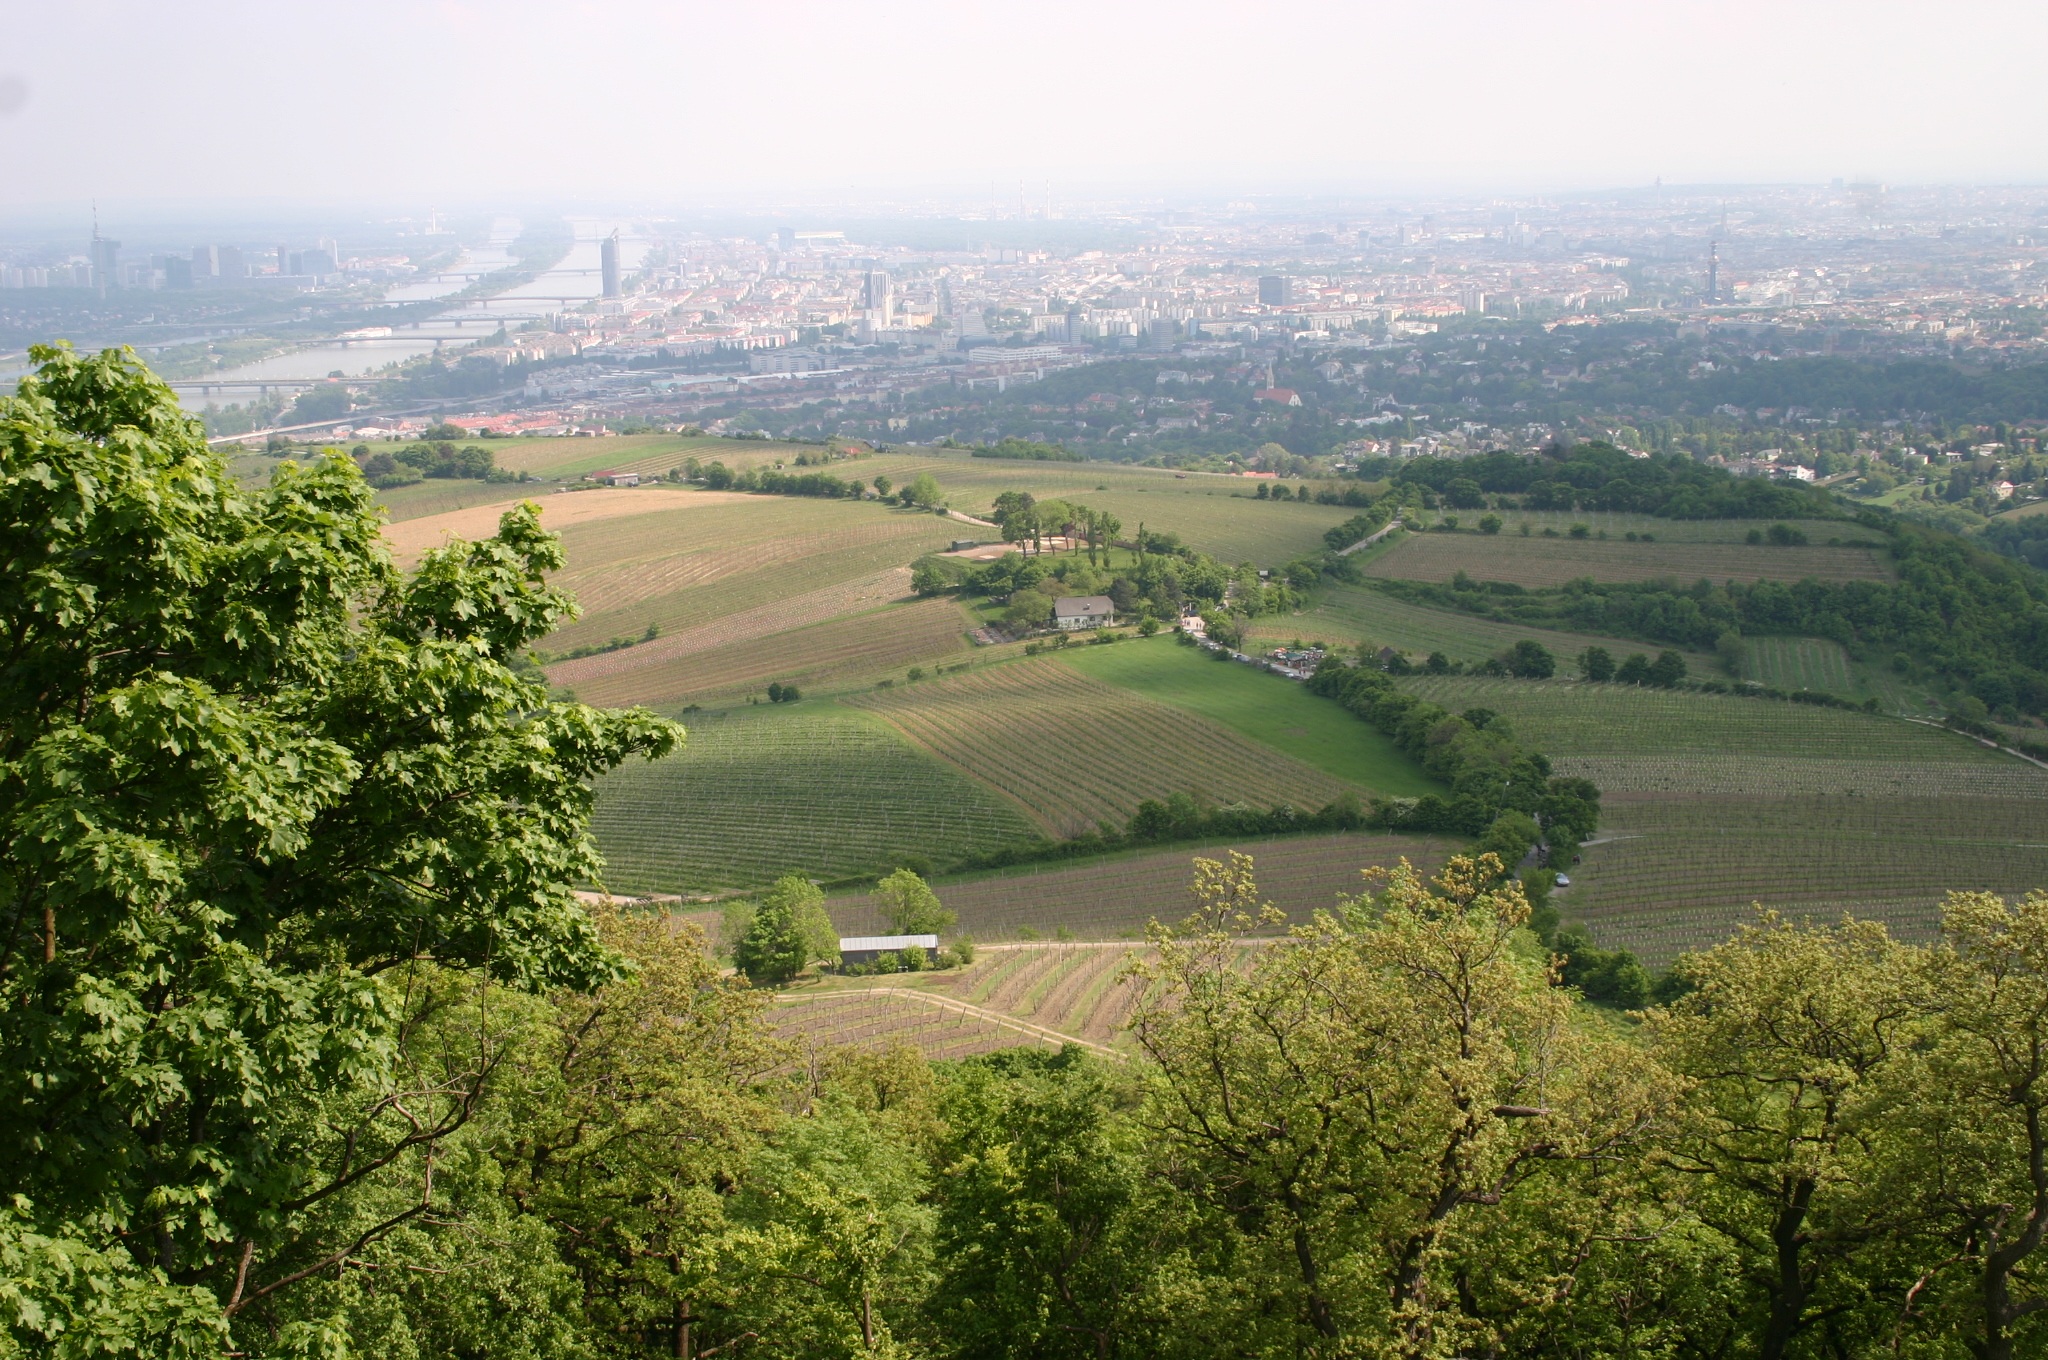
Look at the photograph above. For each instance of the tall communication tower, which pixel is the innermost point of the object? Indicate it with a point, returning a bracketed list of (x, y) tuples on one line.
[(1713, 272)]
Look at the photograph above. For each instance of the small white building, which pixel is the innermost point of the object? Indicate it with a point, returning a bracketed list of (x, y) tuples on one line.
[(614, 478), (868, 948), (1083, 611)]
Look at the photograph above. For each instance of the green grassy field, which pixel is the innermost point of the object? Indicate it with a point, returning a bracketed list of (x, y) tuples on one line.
[(1349, 615), (1711, 804), (1073, 750), (813, 788), (1273, 711)]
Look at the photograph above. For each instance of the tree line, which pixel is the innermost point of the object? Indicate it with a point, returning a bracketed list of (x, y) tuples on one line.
[(1956, 614)]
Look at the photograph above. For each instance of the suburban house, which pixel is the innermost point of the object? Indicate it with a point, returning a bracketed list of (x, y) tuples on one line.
[(1082, 611), (868, 948), (614, 478)]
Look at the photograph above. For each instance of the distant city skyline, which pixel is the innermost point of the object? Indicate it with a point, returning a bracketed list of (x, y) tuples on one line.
[(131, 101)]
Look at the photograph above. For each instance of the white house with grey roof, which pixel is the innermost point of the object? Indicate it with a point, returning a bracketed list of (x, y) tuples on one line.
[(868, 948), (1083, 611)]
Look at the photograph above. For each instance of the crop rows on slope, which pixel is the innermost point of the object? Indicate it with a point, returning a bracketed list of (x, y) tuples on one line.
[(820, 793), (817, 606), (1684, 871), (1799, 663), (1116, 898), (1571, 719), (663, 571), (858, 647), (878, 1019), (1777, 777), (1075, 751), (1073, 989), (1352, 615), (1539, 562)]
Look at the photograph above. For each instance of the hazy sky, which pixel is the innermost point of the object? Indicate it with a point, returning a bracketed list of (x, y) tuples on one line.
[(463, 101)]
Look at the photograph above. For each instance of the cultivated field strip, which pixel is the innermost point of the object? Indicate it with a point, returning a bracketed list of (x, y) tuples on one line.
[(860, 647), (1617, 523), (1116, 898), (846, 597), (1539, 562), (821, 792), (1351, 615), (1074, 751), (619, 583), (1685, 870), (1574, 720), (1776, 776)]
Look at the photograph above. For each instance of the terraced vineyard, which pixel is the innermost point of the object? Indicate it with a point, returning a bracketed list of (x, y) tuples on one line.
[(884, 1017), (1349, 615), (1688, 867), (1117, 897), (1073, 751), (1043, 995), (1713, 803), (858, 647), (1541, 562), (817, 789), (1793, 663)]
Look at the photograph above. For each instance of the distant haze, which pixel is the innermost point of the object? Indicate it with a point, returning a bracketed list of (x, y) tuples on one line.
[(464, 100)]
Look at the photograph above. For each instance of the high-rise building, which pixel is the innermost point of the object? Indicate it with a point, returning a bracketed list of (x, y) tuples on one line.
[(206, 262), (877, 295), (228, 263), (177, 271), (316, 263), (608, 260), (284, 260), (106, 261), (1275, 291)]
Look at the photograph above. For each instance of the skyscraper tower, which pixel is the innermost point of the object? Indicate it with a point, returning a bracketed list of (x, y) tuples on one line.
[(608, 256), (1713, 272), (106, 257), (877, 296)]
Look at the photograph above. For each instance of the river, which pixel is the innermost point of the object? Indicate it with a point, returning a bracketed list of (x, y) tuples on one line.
[(573, 281)]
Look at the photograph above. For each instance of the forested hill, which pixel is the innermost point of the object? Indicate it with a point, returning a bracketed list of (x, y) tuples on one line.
[(1599, 476)]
